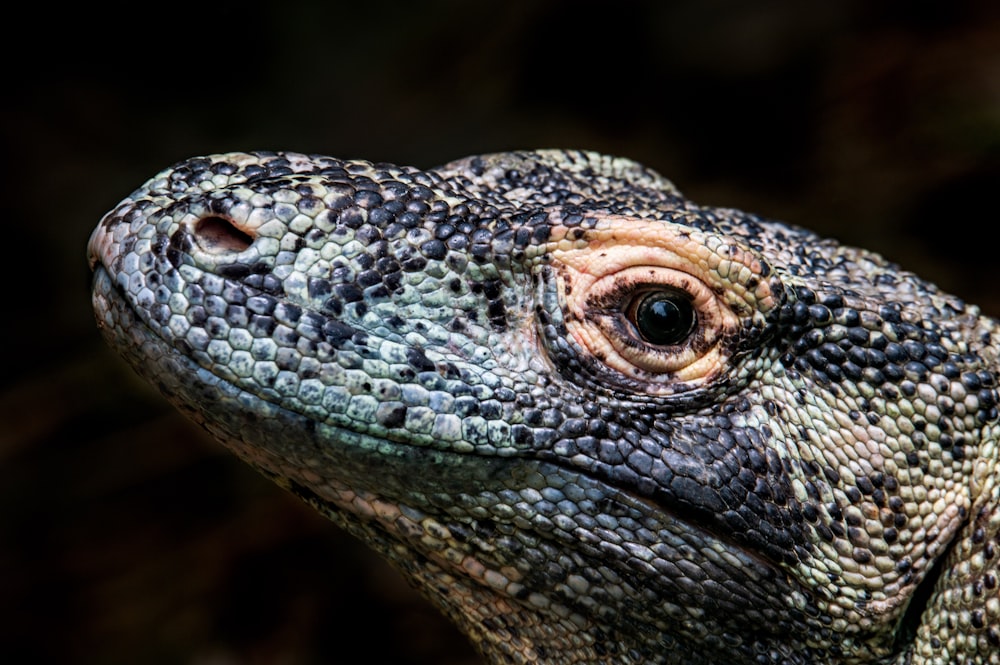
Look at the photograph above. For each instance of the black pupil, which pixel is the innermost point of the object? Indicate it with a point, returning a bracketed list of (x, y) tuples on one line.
[(664, 318)]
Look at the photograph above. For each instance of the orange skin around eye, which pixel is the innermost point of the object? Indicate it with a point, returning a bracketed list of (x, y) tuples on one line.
[(602, 273)]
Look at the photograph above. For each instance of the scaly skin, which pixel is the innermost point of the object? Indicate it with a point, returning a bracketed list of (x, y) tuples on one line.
[(592, 421)]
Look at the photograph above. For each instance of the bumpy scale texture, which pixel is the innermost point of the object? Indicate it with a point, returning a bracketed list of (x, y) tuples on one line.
[(592, 421)]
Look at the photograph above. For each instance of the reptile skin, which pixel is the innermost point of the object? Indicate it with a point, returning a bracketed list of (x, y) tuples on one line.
[(592, 421)]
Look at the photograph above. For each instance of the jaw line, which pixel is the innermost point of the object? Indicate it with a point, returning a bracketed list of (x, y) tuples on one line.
[(384, 467)]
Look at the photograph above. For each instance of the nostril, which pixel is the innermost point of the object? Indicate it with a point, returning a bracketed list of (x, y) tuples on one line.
[(218, 235)]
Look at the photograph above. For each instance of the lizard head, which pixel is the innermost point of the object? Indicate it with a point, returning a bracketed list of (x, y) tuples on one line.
[(590, 419)]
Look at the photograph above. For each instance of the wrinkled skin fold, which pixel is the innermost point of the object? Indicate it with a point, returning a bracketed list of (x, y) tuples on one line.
[(593, 421)]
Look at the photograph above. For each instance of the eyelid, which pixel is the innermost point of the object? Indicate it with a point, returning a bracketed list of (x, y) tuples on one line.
[(626, 352), (630, 284), (616, 242), (599, 271)]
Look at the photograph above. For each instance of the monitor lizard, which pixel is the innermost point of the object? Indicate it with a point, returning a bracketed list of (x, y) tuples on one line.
[(591, 420)]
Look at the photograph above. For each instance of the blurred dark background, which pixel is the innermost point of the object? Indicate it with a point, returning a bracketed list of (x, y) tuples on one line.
[(128, 537)]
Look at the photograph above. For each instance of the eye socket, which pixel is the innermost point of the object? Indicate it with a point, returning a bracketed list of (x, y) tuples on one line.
[(664, 317), (656, 307), (659, 323)]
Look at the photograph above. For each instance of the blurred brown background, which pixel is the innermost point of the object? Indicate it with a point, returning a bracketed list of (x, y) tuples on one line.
[(126, 536)]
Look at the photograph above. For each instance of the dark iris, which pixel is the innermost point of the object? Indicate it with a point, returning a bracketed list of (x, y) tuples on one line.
[(664, 317)]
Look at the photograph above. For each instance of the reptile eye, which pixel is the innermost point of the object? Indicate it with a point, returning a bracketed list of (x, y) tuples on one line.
[(662, 317), (658, 324), (653, 306)]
